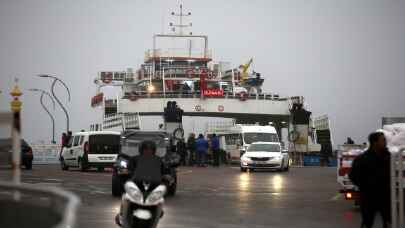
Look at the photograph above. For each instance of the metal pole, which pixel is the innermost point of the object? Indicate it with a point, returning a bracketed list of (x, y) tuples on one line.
[(233, 82), (16, 138), (164, 84), (59, 102), (49, 113), (401, 180), (394, 219)]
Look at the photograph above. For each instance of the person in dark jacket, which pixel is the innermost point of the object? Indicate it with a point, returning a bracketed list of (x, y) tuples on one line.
[(191, 148), (147, 150), (201, 147), (182, 151), (371, 173), (215, 149), (63, 143)]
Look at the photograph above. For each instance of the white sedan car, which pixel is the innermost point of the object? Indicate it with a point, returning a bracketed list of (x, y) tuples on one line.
[(264, 155)]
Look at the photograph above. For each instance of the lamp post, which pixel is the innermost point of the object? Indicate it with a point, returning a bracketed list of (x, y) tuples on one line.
[(43, 92), (55, 80)]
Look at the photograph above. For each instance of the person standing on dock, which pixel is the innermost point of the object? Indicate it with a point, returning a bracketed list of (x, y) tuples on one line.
[(371, 173), (201, 148), (191, 149), (215, 149)]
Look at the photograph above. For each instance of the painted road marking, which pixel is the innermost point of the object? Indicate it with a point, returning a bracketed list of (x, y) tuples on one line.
[(184, 172), (336, 197)]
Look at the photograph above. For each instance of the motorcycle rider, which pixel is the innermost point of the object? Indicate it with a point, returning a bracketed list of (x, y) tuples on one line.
[(148, 158), (147, 150)]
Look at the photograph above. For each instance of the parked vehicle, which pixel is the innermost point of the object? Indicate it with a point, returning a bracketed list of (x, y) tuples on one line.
[(130, 141), (236, 138), (91, 149), (141, 205), (26, 152), (264, 155)]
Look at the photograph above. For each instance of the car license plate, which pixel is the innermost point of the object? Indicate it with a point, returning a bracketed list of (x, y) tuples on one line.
[(260, 162)]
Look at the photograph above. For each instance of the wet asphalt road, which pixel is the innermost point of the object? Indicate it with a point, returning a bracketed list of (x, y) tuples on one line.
[(217, 197)]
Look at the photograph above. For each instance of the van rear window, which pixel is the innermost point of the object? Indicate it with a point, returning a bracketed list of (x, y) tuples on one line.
[(104, 144)]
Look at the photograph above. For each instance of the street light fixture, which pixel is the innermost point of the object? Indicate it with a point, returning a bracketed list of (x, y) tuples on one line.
[(43, 92), (56, 79)]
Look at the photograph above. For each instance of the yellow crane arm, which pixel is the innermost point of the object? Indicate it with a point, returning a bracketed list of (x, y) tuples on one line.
[(245, 68)]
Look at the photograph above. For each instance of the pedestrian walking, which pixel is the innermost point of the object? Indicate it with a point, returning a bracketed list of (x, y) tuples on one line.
[(191, 149), (371, 173), (68, 137), (182, 151), (63, 143), (201, 149), (215, 149)]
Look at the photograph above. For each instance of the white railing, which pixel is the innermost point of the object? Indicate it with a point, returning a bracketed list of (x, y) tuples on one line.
[(397, 189), (121, 121), (220, 126), (46, 153), (158, 53)]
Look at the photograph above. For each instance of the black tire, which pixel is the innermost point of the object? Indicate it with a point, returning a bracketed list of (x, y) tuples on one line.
[(117, 185), (28, 165), (82, 165), (171, 190), (243, 170), (63, 165)]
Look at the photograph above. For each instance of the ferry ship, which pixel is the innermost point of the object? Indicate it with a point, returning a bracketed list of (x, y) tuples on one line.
[(180, 68)]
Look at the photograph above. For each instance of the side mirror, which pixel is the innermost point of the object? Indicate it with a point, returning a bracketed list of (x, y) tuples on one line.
[(242, 152)]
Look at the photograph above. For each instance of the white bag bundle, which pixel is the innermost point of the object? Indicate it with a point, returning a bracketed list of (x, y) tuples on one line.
[(398, 139), (398, 127), (395, 134), (389, 135)]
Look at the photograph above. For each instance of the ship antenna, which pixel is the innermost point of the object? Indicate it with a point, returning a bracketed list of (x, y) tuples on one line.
[(181, 14)]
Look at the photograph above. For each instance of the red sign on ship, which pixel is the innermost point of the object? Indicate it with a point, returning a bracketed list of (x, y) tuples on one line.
[(96, 100), (213, 93)]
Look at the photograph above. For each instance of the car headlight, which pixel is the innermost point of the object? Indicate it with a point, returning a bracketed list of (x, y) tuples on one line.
[(245, 158), (123, 164), (133, 192), (156, 196)]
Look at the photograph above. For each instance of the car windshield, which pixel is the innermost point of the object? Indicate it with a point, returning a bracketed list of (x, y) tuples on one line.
[(252, 137), (104, 144), (130, 143), (264, 148)]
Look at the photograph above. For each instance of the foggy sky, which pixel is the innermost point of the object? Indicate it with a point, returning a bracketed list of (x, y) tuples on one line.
[(346, 57)]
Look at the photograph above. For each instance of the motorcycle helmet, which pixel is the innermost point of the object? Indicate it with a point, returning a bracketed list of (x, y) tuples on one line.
[(147, 144)]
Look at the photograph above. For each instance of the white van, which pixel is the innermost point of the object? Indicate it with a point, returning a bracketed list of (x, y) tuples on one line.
[(236, 138), (91, 149)]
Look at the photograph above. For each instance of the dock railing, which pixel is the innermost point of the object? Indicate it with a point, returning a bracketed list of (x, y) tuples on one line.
[(135, 95), (397, 189)]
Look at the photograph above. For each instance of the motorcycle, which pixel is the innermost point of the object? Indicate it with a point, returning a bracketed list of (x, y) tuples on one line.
[(141, 205)]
